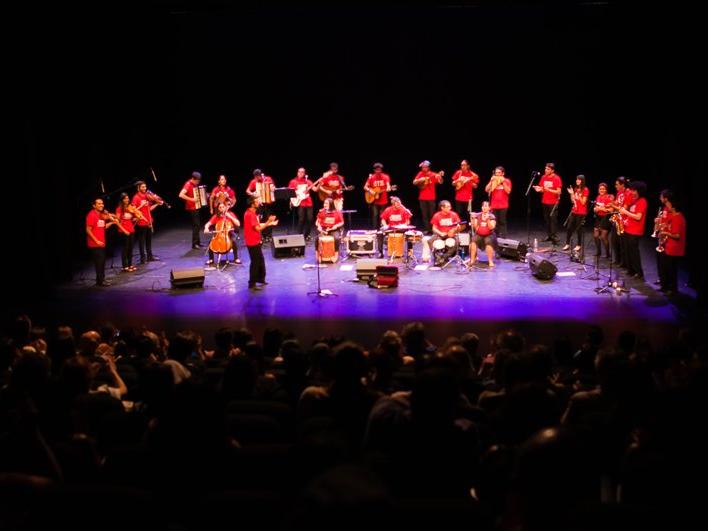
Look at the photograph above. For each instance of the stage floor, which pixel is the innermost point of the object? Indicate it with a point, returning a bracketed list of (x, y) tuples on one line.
[(449, 301)]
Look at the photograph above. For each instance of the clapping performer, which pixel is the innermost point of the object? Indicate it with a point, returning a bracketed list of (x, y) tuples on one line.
[(483, 230), (576, 220)]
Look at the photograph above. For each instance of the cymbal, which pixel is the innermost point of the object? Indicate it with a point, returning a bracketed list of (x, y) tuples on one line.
[(400, 227)]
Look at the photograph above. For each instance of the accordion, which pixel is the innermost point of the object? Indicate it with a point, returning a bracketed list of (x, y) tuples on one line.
[(200, 196)]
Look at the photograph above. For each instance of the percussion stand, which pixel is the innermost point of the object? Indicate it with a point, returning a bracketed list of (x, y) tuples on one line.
[(457, 259)]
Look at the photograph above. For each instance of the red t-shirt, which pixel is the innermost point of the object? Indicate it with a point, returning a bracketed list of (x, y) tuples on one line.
[(230, 217), (602, 201), (444, 221), (98, 227), (579, 208), (427, 193), (264, 188), (300, 185), (142, 203), (327, 220), (483, 228), (250, 234), (190, 189), (396, 216), (677, 224), (126, 220), (333, 183), (499, 199), (381, 181), (224, 190), (632, 226), (548, 182), (465, 192)]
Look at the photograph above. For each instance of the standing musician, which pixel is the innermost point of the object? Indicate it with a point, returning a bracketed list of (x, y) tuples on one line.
[(252, 228), (576, 220), (621, 198), (145, 203), (446, 224), (659, 221), (635, 216), (263, 187), (672, 239), (394, 216), (127, 214), (551, 187), (483, 225), (426, 180), (465, 181), (229, 227), (222, 193), (329, 221), (96, 238), (189, 195), (602, 227), (303, 202), (331, 186), (499, 189), (377, 187)]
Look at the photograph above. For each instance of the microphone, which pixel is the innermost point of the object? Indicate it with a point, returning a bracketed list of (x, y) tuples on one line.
[(536, 173), (103, 189), (154, 177)]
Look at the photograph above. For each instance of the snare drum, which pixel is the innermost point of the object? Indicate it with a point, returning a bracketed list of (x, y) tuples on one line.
[(326, 250), (394, 244), (414, 236)]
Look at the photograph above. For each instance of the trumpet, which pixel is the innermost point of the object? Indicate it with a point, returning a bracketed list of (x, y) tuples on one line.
[(657, 225), (156, 199)]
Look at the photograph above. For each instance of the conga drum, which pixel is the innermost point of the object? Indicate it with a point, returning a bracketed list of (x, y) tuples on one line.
[(326, 250), (414, 236), (394, 244)]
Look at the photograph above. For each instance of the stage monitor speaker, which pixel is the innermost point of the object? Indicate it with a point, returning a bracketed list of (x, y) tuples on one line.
[(366, 267), (187, 278), (288, 245), (513, 249), (540, 267)]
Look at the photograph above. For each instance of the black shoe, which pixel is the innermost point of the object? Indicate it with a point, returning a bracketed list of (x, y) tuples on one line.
[(254, 287), (103, 284), (153, 259), (264, 283)]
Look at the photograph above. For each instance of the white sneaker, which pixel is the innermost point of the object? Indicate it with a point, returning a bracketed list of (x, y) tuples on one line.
[(566, 247)]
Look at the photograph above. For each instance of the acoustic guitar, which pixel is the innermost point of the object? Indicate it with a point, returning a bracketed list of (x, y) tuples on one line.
[(373, 196)]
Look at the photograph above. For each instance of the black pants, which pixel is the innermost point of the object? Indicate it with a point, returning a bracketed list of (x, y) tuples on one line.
[(265, 211), (196, 226), (576, 222), (304, 220), (445, 253), (127, 256), (617, 247), (550, 217), (144, 235), (461, 209), (500, 216), (633, 258), (668, 271), (257, 269), (376, 211), (427, 209), (98, 255), (234, 247)]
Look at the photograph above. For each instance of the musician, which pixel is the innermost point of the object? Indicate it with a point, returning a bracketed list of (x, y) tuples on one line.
[(659, 221), (602, 227), (189, 194), (426, 180), (303, 202), (378, 183), (224, 214), (394, 215), (329, 221), (128, 215), (576, 220), (499, 189), (465, 181), (635, 215), (332, 185), (483, 225), (222, 193), (252, 228), (672, 235), (97, 221), (445, 224), (263, 187), (621, 197), (551, 187), (143, 202)]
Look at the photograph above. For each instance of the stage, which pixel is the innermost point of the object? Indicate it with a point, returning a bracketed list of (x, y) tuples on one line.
[(449, 301)]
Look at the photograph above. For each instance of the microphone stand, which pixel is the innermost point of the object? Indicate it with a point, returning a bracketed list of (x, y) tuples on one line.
[(534, 174), (320, 292)]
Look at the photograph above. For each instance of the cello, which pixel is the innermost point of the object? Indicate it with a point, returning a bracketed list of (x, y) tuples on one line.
[(221, 241)]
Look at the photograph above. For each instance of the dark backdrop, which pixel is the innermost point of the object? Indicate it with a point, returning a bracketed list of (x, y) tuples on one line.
[(603, 89)]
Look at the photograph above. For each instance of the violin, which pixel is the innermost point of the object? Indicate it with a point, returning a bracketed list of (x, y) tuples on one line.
[(157, 199), (221, 241), (105, 215), (135, 212)]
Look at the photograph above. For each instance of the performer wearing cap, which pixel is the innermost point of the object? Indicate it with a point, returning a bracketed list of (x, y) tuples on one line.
[(393, 216), (302, 201), (465, 181), (329, 221), (188, 195), (426, 180), (551, 187), (222, 193), (263, 187), (499, 189), (378, 185)]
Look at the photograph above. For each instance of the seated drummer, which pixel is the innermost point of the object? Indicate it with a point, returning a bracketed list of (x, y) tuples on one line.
[(483, 225), (446, 224), (328, 222), (231, 226), (393, 216)]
